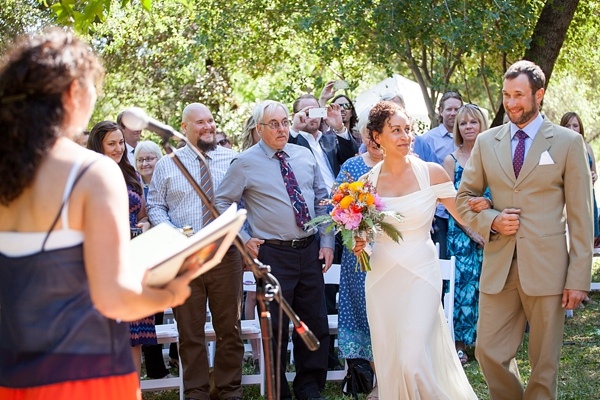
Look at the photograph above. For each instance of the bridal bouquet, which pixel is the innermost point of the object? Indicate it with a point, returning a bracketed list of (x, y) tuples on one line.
[(357, 211)]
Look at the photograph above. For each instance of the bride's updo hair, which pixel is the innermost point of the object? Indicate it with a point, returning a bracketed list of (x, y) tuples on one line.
[(380, 115)]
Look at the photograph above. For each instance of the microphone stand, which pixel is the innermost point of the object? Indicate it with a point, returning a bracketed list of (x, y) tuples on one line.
[(267, 286)]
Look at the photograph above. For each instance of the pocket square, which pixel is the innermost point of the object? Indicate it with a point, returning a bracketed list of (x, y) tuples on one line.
[(545, 159)]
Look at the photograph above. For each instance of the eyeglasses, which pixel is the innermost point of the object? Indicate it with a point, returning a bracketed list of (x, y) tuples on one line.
[(276, 125), (223, 142), (345, 106), (147, 159)]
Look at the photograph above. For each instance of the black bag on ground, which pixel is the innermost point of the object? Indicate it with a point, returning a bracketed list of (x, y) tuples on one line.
[(359, 378)]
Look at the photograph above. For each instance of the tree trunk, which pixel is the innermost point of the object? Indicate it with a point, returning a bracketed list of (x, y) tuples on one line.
[(547, 39)]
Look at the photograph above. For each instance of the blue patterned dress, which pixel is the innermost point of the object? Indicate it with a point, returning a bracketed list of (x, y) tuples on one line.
[(469, 256), (354, 338)]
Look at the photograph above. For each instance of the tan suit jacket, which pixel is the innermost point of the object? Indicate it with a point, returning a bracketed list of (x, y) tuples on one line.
[(550, 197)]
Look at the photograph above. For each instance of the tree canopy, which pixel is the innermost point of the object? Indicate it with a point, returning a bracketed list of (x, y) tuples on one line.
[(163, 54)]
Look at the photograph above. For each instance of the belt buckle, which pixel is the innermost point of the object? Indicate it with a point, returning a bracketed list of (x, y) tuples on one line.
[(297, 243)]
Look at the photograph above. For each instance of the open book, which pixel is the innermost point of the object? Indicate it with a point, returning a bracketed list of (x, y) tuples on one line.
[(166, 252)]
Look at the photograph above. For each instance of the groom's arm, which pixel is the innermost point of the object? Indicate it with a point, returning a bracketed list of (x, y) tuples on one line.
[(472, 185)]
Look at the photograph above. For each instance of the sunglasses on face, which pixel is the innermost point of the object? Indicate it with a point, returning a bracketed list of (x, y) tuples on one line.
[(346, 106), (223, 142)]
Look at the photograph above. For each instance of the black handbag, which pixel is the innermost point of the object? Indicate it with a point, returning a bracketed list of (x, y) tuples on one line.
[(359, 378)]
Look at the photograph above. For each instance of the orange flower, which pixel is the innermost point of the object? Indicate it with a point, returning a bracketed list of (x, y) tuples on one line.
[(338, 197), (370, 199), (345, 202)]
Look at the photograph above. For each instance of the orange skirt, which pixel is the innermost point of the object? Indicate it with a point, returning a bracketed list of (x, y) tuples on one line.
[(122, 387)]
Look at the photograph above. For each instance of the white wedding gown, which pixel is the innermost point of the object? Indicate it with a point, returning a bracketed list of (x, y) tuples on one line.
[(414, 354)]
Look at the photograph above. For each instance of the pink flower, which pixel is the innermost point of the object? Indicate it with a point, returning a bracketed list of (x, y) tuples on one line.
[(379, 204), (346, 217)]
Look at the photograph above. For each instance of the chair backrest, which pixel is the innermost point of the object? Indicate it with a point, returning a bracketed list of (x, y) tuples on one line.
[(447, 268), (332, 276)]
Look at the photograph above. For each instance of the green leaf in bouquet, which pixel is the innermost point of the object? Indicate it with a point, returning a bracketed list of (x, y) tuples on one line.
[(322, 219), (348, 238), (391, 231)]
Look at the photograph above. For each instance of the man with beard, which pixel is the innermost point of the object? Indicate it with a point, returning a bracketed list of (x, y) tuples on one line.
[(172, 199), (532, 271), (441, 140)]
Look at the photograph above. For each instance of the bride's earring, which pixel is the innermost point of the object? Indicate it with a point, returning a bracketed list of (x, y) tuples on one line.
[(382, 150)]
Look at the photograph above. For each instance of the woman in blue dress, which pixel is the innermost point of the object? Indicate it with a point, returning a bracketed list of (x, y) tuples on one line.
[(463, 243), (354, 339)]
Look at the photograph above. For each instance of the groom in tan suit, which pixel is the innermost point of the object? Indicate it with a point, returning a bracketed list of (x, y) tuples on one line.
[(532, 270)]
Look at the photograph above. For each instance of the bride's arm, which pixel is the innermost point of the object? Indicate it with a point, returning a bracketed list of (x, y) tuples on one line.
[(438, 175)]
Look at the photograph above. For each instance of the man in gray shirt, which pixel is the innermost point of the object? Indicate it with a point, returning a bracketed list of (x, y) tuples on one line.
[(172, 199), (278, 204)]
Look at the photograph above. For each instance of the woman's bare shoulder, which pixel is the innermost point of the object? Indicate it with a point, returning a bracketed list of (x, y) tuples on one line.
[(437, 173)]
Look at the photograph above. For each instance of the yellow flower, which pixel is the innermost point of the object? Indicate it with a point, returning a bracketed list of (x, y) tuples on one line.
[(346, 201), (356, 186)]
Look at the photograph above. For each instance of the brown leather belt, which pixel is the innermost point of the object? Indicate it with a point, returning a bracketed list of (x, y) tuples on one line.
[(295, 243)]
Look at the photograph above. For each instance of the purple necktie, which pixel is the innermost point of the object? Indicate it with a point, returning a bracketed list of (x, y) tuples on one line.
[(519, 156), (291, 184)]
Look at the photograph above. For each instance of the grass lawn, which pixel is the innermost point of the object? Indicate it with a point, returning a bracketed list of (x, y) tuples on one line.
[(579, 375)]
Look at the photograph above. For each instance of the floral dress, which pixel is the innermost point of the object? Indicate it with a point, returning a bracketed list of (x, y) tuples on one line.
[(469, 256), (354, 339)]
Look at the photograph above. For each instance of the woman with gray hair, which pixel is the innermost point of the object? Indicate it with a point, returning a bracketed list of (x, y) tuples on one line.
[(146, 155)]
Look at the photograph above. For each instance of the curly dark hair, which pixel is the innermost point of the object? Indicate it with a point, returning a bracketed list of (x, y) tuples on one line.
[(97, 135), (354, 117), (34, 74), (380, 115)]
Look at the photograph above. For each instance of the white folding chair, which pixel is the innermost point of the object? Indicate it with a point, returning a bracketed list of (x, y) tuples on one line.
[(331, 277), (447, 268), (166, 333)]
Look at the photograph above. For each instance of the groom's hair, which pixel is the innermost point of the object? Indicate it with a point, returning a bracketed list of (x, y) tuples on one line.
[(537, 79)]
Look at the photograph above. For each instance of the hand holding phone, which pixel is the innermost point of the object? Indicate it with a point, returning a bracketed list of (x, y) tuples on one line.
[(317, 112)]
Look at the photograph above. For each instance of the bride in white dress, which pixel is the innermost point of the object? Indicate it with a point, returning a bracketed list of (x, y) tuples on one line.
[(413, 351)]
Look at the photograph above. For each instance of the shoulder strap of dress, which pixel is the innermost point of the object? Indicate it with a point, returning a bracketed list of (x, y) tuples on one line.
[(68, 195), (67, 191), (421, 172)]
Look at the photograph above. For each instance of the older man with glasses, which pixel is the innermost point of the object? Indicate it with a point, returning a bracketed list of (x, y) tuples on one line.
[(283, 189)]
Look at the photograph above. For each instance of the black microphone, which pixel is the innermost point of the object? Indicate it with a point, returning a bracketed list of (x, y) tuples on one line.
[(136, 119)]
